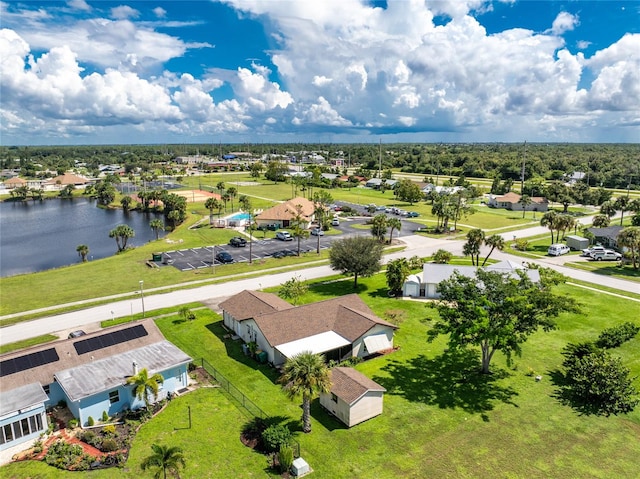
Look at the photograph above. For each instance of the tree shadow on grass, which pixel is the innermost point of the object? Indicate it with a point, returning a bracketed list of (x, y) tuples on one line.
[(324, 417), (234, 351), (338, 287), (452, 380)]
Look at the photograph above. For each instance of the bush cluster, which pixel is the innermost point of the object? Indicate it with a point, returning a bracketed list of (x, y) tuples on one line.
[(615, 336), (67, 456), (275, 436)]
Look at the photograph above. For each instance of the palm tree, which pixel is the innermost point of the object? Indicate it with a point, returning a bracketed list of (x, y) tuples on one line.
[(306, 375), (220, 186), (393, 224), (608, 208), (232, 192), (225, 197), (601, 221), (549, 220), (379, 227), (164, 459), (211, 204), (630, 238), (622, 204), (145, 385), (525, 200), (157, 225), (122, 233), (475, 237), (245, 202), (83, 251), (495, 241)]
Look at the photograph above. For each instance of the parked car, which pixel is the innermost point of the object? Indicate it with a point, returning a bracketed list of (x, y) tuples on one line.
[(593, 249), (335, 222), (76, 334), (284, 236), (558, 249), (412, 214), (381, 208), (606, 255), (238, 241), (337, 208), (317, 232), (224, 257)]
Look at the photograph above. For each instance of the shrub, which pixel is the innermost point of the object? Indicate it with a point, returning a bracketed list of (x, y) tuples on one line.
[(87, 436), (285, 457), (73, 423), (66, 456), (415, 262), (109, 430), (105, 416), (91, 421), (442, 256), (109, 445), (614, 337), (275, 436), (522, 244)]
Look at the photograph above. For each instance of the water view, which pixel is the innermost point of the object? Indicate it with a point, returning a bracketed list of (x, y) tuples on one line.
[(35, 236)]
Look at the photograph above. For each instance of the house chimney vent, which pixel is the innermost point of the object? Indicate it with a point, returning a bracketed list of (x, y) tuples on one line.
[(135, 368)]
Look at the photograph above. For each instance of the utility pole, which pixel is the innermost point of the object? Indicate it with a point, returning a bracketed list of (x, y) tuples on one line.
[(524, 159), (380, 160)]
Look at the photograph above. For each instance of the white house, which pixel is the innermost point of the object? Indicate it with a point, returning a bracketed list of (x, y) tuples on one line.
[(339, 328), (354, 397), (425, 284)]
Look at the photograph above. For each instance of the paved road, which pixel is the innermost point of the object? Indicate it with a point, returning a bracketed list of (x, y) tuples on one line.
[(89, 318)]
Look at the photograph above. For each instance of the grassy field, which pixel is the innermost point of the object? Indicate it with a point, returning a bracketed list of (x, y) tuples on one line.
[(441, 418)]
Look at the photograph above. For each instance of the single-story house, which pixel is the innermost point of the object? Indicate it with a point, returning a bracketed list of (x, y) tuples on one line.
[(354, 397), (284, 213), (425, 284), (510, 201), (88, 373), (339, 328), (607, 237), (440, 190), (67, 179), (376, 183), (15, 182)]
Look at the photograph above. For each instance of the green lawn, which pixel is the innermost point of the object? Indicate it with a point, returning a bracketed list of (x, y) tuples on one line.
[(441, 419)]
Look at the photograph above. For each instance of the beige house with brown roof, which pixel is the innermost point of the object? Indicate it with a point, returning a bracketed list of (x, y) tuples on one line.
[(284, 213), (354, 397), (339, 328), (510, 201), (67, 179)]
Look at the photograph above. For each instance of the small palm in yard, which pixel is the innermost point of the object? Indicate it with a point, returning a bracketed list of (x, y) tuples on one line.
[(145, 385), (164, 460), (305, 374)]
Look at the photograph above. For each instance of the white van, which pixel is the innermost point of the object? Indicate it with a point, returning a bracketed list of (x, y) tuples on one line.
[(558, 249), (335, 222)]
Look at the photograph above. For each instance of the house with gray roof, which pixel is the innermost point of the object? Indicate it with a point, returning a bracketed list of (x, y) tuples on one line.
[(338, 328), (607, 236), (425, 284), (354, 397), (89, 373)]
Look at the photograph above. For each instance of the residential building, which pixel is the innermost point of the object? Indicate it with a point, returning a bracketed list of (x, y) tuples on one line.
[(511, 201), (284, 214)]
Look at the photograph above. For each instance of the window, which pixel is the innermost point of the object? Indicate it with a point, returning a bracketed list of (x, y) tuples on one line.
[(23, 427), (47, 389), (114, 397), (334, 398)]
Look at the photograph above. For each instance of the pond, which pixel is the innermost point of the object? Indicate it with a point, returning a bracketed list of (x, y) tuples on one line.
[(40, 235)]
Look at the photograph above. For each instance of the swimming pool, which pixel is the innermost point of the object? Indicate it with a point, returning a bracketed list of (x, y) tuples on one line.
[(240, 216)]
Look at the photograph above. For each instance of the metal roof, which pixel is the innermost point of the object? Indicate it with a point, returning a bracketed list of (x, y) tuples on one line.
[(318, 343), (108, 373), (22, 398)]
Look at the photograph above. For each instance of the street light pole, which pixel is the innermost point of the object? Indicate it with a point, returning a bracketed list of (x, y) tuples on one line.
[(142, 295)]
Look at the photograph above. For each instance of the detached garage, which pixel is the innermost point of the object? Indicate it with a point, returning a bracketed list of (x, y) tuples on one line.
[(354, 398)]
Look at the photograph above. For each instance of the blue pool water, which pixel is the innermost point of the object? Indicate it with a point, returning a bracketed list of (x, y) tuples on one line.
[(240, 216)]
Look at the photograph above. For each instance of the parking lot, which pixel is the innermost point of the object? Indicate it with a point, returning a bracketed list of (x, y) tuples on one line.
[(204, 257)]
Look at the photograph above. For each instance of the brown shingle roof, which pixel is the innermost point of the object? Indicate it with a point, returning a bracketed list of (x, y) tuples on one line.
[(69, 358), (512, 197), (350, 385), (68, 179), (347, 316), (15, 181), (249, 304), (288, 210)]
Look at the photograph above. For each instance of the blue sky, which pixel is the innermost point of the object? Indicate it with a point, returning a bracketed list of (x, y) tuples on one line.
[(83, 72)]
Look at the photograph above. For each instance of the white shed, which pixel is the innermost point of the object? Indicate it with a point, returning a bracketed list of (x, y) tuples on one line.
[(354, 398)]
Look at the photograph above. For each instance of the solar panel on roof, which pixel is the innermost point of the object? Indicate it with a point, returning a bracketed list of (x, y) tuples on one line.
[(28, 361), (110, 339)]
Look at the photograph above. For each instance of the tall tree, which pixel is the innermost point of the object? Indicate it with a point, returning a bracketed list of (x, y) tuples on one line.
[(83, 251), (156, 225), (407, 190), (245, 203), (475, 238), (397, 272), (525, 201), (394, 224), (549, 220), (122, 233), (164, 460), (379, 227), (299, 225), (608, 208), (358, 256), (212, 204), (126, 201), (558, 192), (232, 192), (630, 238), (306, 375), (622, 204), (145, 386), (495, 312), (220, 187), (494, 241)]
